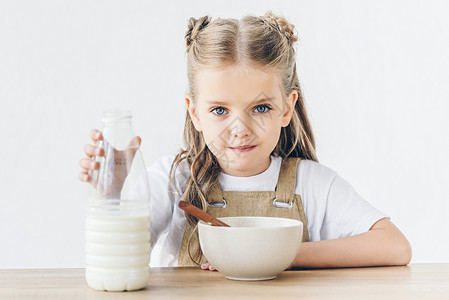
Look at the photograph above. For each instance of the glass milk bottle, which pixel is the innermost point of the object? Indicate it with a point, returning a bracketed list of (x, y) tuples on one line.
[(117, 223)]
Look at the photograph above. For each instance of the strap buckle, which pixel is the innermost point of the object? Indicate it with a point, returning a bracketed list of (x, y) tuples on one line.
[(221, 204), (282, 204)]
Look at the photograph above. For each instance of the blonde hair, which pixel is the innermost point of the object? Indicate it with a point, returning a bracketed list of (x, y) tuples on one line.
[(265, 42)]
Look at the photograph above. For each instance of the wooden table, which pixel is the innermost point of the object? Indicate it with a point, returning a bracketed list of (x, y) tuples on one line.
[(416, 281)]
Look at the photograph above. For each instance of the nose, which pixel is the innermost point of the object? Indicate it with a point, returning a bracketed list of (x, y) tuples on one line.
[(239, 128)]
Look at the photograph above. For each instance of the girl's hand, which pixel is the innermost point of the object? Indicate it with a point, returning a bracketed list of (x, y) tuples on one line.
[(91, 151), (208, 266)]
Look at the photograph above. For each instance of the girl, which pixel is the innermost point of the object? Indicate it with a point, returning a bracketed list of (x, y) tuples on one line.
[(250, 151)]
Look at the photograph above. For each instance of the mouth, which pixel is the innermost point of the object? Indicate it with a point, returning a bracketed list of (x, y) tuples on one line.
[(244, 148)]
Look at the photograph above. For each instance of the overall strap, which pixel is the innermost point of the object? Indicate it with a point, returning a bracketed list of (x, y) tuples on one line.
[(285, 189), (215, 194)]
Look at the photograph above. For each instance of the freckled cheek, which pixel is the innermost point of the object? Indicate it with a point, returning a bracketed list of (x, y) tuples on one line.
[(270, 137), (214, 134), (266, 129)]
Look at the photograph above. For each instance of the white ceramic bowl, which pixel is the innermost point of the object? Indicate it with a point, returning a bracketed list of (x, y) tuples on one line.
[(253, 248)]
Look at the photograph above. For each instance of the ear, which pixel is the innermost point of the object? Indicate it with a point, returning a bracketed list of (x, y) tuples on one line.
[(290, 103), (192, 112)]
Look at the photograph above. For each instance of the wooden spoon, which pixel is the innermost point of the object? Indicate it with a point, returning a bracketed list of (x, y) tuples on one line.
[(202, 215)]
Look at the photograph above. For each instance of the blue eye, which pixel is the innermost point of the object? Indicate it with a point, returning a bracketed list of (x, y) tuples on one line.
[(265, 108), (261, 109), (219, 111)]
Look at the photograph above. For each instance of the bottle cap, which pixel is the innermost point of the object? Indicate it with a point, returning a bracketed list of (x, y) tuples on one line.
[(110, 116)]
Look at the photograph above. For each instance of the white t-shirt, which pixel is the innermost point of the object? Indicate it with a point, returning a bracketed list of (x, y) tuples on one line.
[(333, 209)]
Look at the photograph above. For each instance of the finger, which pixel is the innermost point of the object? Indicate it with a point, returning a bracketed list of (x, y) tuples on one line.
[(212, 268), (205, 266), (83, 176), (96, 135), (133, 146), (135, 142), (92, 150), (89, 164)]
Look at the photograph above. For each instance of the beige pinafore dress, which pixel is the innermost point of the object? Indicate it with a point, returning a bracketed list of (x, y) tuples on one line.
[(282, 203)]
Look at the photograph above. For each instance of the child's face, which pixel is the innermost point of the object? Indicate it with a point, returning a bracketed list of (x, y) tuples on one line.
[(236, 107)]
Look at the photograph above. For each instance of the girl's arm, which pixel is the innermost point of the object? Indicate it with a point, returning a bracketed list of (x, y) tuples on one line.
[(382, 245)]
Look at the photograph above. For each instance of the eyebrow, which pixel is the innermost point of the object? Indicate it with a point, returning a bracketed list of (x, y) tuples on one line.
[(254, 102)]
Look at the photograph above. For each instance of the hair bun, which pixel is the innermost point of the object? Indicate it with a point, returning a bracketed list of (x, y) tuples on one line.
[(194, 27), (282, 25)]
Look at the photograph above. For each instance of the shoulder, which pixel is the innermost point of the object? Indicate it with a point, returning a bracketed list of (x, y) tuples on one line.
[(314, 180), (159, 171), (164, 164), (333, 208), (314, 172)]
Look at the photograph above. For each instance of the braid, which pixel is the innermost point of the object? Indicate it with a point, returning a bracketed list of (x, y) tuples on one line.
[(194, 27), (282, 25)]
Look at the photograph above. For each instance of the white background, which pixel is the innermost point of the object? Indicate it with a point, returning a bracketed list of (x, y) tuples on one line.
[(374, 75)]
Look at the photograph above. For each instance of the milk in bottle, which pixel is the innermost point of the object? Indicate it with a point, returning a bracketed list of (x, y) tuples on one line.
[(117, 223)]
